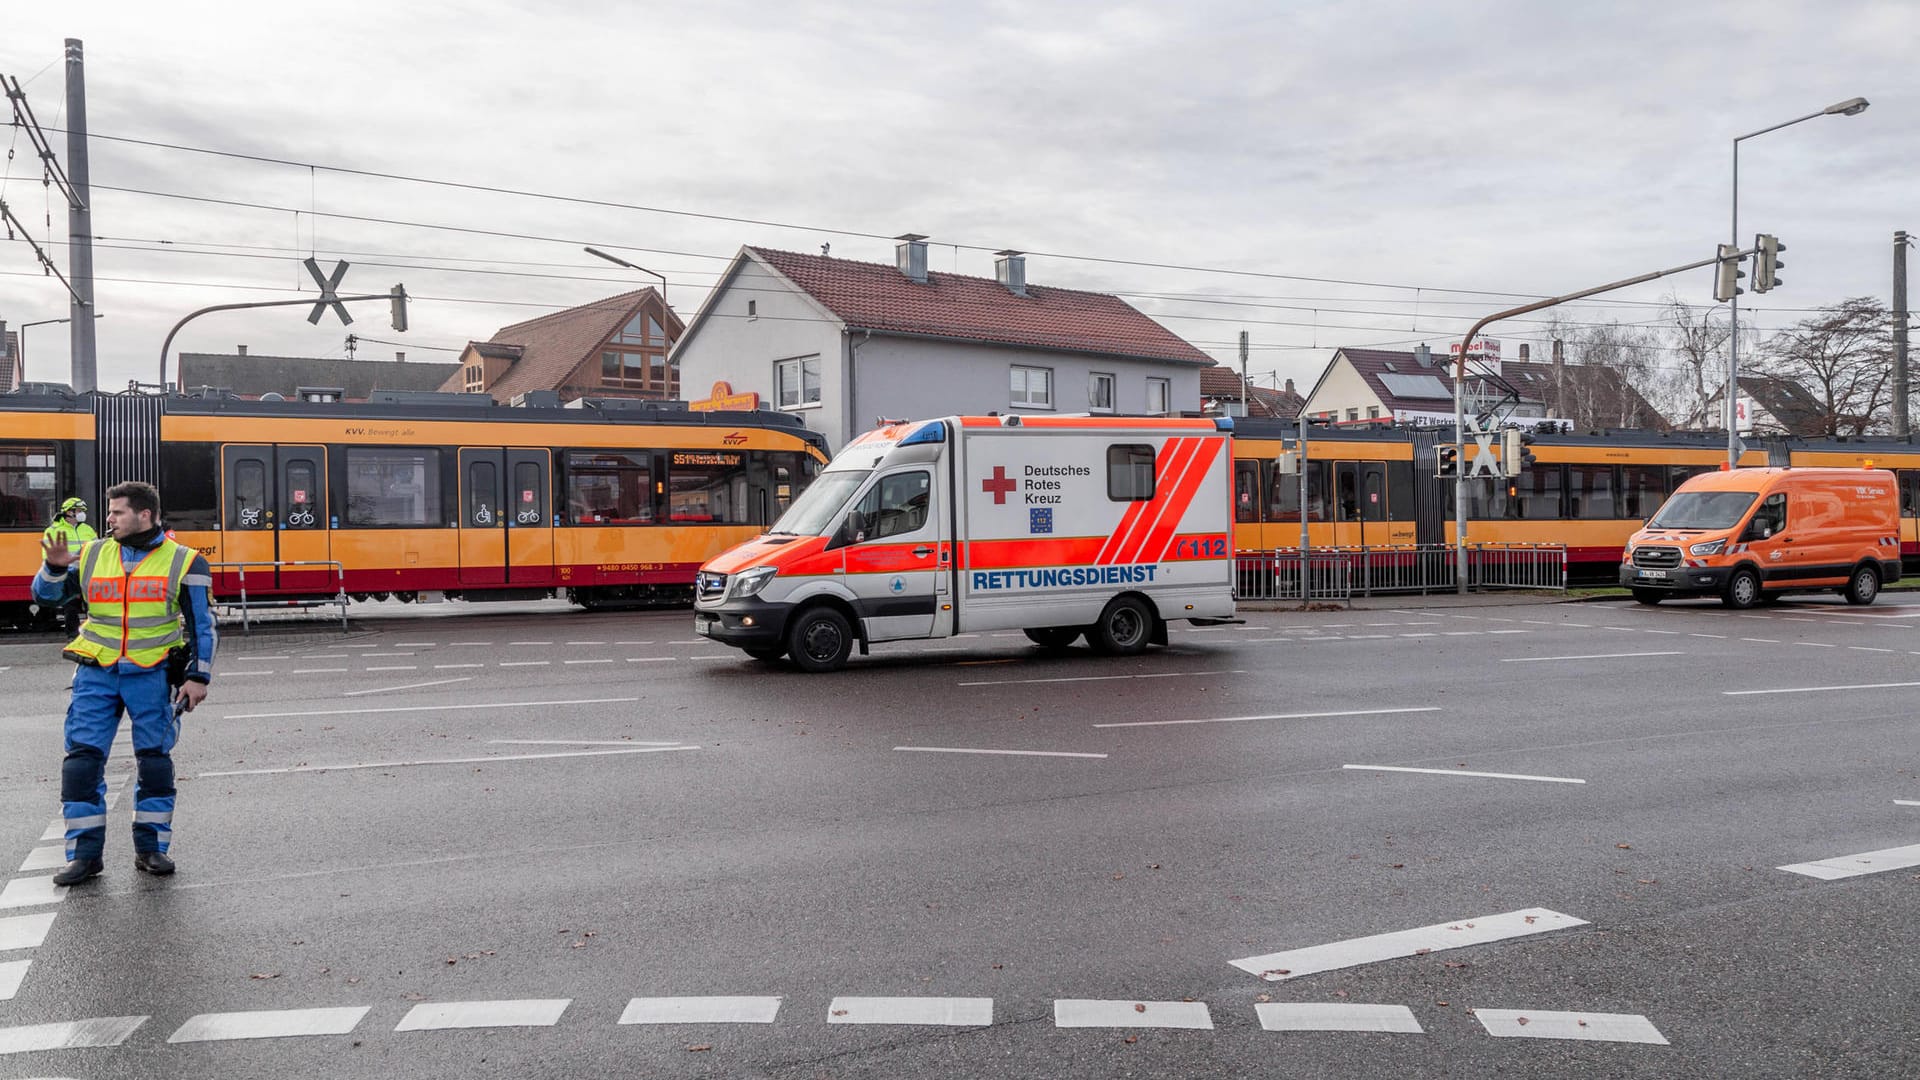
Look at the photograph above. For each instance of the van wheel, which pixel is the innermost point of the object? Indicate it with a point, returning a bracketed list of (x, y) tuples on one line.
[(1124, 629), (765, 652), (1648, 597), (1864, 586), (1743, 590), (1054, 638), (820, 640)]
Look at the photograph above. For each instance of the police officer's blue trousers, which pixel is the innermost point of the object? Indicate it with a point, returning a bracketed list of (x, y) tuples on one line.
[(100, 695)]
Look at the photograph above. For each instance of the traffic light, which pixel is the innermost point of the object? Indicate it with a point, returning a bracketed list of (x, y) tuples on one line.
[(1448, 456), (1766, 262), (1517, 451), (399, 297), (1726, 283), (1288, 463)]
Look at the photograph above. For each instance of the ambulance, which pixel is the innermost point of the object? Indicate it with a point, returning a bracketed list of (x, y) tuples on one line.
[(1751, 535), (1061, 526)]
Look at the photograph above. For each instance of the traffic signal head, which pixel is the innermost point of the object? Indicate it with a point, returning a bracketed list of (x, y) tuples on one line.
[(399, 298), (1726, 282), (1448, 457), (1516, 451), (1766, 262)]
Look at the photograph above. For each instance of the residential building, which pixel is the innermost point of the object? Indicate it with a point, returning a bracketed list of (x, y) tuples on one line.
[(1223, 394), (308, 378), (843, 343), (1768, 405), (1362, 386), (617, 347)]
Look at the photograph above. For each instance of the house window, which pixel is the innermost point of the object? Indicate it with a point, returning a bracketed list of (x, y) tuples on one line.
[(753, 309), (1159, 396), (796, 382), (1032, 387), (475, 382), (1373, 412), (1100, 392), (1353, 414)]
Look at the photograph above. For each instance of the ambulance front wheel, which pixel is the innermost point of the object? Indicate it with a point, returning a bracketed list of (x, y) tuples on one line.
[(819, 639), (1125, 627)]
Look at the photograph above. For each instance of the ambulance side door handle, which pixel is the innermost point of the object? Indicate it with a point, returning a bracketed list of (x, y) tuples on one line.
[(922, 551)]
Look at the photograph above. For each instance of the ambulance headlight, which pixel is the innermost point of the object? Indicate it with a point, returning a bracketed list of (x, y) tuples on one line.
[(752, 581), (1711, 547)]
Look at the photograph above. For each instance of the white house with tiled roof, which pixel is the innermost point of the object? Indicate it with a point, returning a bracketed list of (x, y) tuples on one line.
[(841, 343)]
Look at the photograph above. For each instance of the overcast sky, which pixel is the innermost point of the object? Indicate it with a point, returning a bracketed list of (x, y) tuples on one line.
[(1424, 159)]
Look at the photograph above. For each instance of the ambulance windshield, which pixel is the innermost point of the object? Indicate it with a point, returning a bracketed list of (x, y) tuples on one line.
[(819, 505)]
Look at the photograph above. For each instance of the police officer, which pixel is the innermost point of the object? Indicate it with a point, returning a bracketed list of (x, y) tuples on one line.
[(70, 524), (133, 655)]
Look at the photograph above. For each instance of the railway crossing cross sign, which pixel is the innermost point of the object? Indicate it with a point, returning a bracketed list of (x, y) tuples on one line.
[(329, 291), (1486, 460)]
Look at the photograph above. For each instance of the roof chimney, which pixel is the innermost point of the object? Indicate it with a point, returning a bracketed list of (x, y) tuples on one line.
[(1010, 269), (910, 255), (1423, 355), (242, 348), (1524, 352), (1559, 351), (1290, 386), (399, 357)]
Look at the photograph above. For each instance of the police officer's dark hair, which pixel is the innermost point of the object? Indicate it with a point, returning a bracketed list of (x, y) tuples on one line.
[(139, 494)]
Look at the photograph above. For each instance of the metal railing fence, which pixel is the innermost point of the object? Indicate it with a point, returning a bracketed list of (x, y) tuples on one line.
[(1341, 573), (246, 604)]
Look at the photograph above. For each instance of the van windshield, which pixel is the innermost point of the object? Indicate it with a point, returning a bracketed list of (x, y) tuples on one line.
[(817, 506), (1703, 510)]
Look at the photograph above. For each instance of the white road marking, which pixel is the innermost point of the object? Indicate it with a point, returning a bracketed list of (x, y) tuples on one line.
[(1821, 689), (1099, 678), (1509, 631), (1272, 716), (586, 643), (449, 667), (1867, 862), (649, 643), (529, 642), (578, 742), (701, 1010), (453, 643), (71, 1035), (397, 667), (257, 659), (30, 892), (12, 974), (1762, 640), (1587, 656), (231, 674), (46, 858), (950, 1011), (56, 831), (1674, 633), (319, 671), (589, 661), (434, 1016), (269, 1024), (1906, 802), (649, 659), (383, 655), (443, 761), (414, 645), (1588, 1027), (1378, 637), (1867, 648), (1419, 635), (408, 686), (1329, 637), (1720, 637), (525, 663), (24, 931), (1081, 1012), (1463, 772), (966, 750), (322, 656), (1338, 1016), (1462, 633), (1294, 963), (434, 708)]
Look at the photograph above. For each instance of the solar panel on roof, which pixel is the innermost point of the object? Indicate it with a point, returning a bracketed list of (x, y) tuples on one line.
[(1415, 386)]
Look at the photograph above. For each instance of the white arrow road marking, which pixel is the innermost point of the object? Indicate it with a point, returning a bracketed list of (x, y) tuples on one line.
[(952, 1012), (1338, 1016), (1480, 930), (701, 1010), (1845, 866), (1589, 1027), (433, 1016), (1082, 1012), (269, 1024), (71, 1035)]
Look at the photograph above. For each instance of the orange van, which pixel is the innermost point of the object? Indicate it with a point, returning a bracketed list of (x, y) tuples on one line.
[(1748, 535)]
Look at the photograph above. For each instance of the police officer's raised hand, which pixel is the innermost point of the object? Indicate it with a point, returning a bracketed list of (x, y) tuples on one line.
[(190, 695), (57, 553)]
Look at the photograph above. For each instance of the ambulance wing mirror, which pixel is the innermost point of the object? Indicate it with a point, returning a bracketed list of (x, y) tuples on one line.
[(851, 531)]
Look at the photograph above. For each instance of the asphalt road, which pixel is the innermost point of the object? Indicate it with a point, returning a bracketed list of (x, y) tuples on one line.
[(567, 820)]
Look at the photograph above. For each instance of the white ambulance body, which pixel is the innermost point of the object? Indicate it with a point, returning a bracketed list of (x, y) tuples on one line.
[(1056, 525)]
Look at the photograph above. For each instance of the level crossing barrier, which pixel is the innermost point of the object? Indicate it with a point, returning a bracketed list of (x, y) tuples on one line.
[(247, 604), (1341, 573)]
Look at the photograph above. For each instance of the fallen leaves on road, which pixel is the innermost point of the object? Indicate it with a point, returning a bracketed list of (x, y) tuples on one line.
[(1264, 997), (1531, 919), (839, 1012), (1421, 952), (1521, 1020), (1624, 847), (1139, 1007), (1275, 972), (265, 975), (1131, 1039), (699, 1047)]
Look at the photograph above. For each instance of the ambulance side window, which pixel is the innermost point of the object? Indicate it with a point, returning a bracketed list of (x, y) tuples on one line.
[(1130, 472), (895, 506)]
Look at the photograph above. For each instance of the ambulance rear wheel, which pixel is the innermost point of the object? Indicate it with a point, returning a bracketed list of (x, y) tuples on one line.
[(1125, 628), (821, 639), (1864, 586), (1054, 638)]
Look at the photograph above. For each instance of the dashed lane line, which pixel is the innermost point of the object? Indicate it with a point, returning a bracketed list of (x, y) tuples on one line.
[(578, 742), (496, 759), (529, 643), (1867, 648), (1010, 753), (269, 1024), (1270, 716), (1867, 862), (453, 667), (415, 645), (525, 663), (1762, 640), (1906, 802), (941, 1011), (396, 667), (1089, 1013), (320, 671), (1295, 963), (433, 708), (1587, 656), (1586, 1027), (440, 1015), (69, 1035), (1462, 772), (602, 661), (1821, 689), (701, 1010), (1338, 1016), (1100, 678), (408, 686)]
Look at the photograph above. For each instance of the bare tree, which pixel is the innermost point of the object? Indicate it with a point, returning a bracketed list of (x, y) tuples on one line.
[(1844, 356), (1696, 363), (1610, 369)]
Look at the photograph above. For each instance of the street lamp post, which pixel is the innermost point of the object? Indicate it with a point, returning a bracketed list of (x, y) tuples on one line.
[(618, 261), (23, 339), (1849, 107)]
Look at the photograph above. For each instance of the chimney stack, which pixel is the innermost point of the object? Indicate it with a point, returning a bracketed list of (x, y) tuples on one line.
[(242, 349), (399, 357), (1290, 386), (910, 255), (1010, 269), (1559, 351), (1423, 356), (1525, 352)]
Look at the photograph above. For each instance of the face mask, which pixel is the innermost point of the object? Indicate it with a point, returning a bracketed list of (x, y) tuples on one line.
[(80, 518)]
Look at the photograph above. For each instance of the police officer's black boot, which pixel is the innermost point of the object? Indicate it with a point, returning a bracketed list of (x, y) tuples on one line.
[(78, 871), (152, 862)]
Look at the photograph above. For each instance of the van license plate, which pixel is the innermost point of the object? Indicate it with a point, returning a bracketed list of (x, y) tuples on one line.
[(1653, 574)]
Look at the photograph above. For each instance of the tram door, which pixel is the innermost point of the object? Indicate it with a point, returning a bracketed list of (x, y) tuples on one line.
[(1360, 503), (506, 528), (275, 514)]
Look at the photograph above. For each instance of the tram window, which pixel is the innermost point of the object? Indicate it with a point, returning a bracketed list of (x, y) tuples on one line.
[(28, 486), (190, 476), (1643, 489), (1487, 500), (482, 486), (302, 492), (1283, 501), (708, 487), (1246, 491), (393, 486), (1400, 490), (1909, 493), (1536, 494), (1590, 493), (527, 477), (1129, 473), (609, 488), (250, 495)]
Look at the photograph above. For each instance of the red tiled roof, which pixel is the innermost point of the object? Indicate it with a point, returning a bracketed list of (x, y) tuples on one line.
[(1223, 383), (553, 345), (878, 297)]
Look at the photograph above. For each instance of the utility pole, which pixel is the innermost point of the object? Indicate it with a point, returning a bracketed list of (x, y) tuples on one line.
[(79, 225), (1246, 406), (1900, 241)]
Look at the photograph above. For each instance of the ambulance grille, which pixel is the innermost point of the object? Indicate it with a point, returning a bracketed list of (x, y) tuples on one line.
[(1656, 557), (711, 586)]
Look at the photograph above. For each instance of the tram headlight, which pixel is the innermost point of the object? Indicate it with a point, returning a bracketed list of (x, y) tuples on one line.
[(1711, 547), (752, 581)]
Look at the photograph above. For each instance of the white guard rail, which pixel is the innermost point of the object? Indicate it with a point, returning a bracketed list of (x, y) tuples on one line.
[(247, 604)]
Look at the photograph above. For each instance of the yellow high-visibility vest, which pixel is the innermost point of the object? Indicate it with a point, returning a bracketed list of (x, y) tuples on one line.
[(133, 614)]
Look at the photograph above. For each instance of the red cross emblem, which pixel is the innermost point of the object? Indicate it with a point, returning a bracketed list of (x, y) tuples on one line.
[(1001, 485)]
